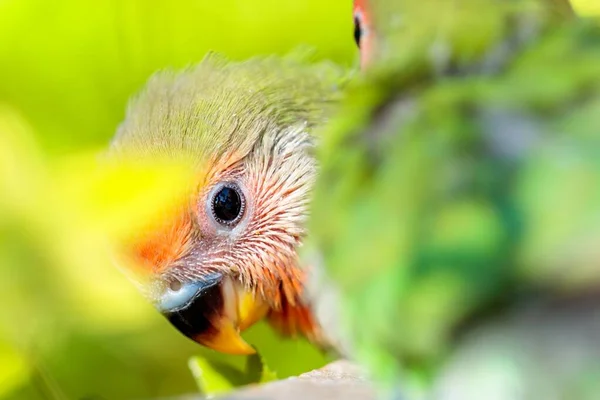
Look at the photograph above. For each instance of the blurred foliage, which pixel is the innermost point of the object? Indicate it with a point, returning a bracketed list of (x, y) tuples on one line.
[(72, 326), (214, 377), (587, 7)]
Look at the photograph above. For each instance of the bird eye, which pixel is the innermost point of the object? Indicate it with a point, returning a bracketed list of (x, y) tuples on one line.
[(358, 29), (228, 204)]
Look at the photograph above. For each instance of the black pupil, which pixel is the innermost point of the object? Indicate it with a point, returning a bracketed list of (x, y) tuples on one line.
[(227, 204), (357, 31)]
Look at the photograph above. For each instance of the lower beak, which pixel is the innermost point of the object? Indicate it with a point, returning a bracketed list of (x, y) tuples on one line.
[(218, 310)]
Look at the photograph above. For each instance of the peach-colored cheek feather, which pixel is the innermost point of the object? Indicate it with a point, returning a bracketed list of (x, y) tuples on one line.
[(279, 176)]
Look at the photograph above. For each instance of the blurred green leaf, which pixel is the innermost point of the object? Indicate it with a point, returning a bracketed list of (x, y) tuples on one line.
[(214, 377), (14, 370), (258, 371), (587, 7)]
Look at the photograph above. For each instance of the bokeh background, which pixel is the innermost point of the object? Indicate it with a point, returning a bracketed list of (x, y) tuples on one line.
[(71, 326)]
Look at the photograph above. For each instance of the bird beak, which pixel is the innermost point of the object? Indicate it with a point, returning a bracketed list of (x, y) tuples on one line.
[(213, 311)]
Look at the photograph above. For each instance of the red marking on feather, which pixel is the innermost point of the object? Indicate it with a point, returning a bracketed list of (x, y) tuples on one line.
[(297, 319), (293, 316)]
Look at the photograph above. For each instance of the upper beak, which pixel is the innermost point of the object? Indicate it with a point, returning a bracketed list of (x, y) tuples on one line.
[(213, 311)]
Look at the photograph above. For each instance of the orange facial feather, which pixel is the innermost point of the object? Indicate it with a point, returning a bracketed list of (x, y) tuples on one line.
[(159, 248)]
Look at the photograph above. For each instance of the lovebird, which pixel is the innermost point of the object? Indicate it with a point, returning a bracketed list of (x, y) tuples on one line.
[(227, 257), (454, 238)]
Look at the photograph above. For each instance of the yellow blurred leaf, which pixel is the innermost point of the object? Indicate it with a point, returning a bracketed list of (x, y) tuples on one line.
[(21, 166), (13, 369), (119, 198), (587, 7), (74, 209)]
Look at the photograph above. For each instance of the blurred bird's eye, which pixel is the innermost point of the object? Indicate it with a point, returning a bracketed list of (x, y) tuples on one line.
[(228, 204), (358, 28)]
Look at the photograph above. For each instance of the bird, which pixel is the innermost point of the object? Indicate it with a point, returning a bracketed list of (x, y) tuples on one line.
[(453, 236), (227, 256)]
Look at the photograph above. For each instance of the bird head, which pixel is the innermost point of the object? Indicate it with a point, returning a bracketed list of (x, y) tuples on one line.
[(226, 257)]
